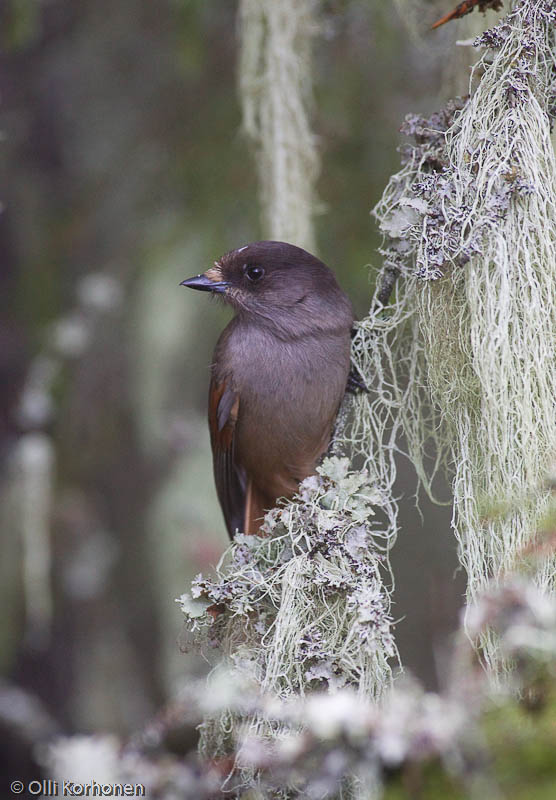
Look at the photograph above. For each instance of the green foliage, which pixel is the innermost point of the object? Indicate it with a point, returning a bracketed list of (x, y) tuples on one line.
[(522, 746), (519, 748), (20, 23)]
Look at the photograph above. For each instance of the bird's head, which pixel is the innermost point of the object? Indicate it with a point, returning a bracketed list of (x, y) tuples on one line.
[(277, 284)]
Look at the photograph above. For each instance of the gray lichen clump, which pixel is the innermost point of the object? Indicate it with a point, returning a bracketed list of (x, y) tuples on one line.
[(437, 211), (304, 606), (420, 208)]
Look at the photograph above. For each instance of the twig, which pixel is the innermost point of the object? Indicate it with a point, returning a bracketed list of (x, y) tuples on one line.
[(466, 7), (389, 277)]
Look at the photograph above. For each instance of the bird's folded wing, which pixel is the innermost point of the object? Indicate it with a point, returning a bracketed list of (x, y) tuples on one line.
[(228, 476)]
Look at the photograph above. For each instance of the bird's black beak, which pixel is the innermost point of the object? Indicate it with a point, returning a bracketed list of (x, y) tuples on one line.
[(205, 284)]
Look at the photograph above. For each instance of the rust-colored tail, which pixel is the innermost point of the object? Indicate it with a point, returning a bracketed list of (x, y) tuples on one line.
[(256, 505)]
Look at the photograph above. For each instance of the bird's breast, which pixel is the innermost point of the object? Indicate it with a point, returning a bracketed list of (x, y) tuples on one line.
[(289, 395)]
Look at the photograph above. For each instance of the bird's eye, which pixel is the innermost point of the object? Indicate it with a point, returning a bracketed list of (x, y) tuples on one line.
[(253, 272)]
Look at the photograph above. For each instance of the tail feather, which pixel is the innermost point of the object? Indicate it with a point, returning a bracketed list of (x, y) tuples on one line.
[(256, 506)]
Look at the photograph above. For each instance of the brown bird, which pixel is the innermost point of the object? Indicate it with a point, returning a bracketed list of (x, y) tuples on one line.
[(279, 373)]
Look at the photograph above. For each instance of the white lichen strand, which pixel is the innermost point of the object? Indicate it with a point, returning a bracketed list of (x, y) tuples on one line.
[(471, 226), (275, 80)]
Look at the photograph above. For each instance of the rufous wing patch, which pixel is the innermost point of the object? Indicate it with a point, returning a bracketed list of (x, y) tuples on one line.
[(228, 476)]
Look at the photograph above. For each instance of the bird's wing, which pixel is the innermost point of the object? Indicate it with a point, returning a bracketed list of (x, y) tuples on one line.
[(228, 476)]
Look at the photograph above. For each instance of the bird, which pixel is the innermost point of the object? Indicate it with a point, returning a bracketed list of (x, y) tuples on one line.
[(278, 375)]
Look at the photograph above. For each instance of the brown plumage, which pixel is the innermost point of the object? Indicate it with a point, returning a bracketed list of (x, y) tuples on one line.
[(278, 376)]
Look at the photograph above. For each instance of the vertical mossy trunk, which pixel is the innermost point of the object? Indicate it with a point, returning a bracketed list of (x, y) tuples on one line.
[(275, 78)]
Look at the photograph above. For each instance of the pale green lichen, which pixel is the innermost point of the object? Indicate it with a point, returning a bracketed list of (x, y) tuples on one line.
[(471, 227)]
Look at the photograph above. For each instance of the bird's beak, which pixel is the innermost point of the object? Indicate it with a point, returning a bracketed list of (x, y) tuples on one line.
[(209, 281)]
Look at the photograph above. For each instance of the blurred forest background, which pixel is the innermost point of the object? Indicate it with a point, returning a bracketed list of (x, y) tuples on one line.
[(124, 171)]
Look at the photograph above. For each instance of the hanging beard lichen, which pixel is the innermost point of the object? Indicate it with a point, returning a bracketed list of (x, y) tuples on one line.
[(471, 226), (275, 91)]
